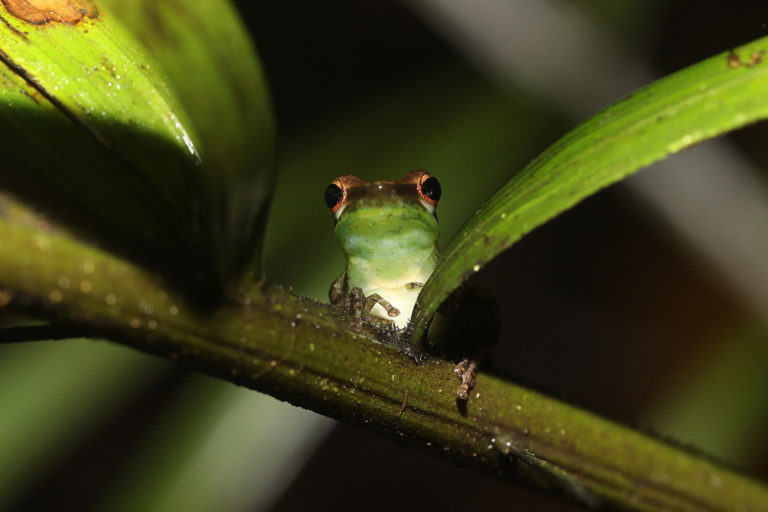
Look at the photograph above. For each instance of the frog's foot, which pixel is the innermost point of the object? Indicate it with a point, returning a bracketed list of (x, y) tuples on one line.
[(360, 306), (374, 299), (411, 286), (465, 370)]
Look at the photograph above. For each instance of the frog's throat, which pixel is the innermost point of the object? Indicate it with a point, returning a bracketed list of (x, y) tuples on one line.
[(387, 226)]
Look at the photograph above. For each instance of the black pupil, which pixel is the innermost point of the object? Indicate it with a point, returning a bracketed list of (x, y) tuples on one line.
[(333, 195), (431, 188)]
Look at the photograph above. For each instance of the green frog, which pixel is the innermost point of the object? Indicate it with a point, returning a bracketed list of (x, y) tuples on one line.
[(388, 231)]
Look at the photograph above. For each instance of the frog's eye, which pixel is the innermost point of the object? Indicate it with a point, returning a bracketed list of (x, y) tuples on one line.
[(429, 189), (334, 195)]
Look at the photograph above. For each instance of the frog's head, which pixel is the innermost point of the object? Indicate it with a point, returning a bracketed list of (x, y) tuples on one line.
[(385, 219)]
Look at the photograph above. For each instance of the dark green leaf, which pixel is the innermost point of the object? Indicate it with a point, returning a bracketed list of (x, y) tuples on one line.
[(214, 68), (93, 136)]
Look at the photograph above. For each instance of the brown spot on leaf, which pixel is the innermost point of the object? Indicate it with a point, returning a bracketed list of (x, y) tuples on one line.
[(733, 60), (755, 59), (41, 12)]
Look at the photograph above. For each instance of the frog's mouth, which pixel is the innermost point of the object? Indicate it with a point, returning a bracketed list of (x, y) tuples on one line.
[(384, 214)]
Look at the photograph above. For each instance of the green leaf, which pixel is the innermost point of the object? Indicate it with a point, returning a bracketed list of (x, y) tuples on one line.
[(228, 103), (92, 135), (719, 94)]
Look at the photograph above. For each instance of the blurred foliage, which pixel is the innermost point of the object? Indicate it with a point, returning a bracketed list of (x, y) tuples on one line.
[(213, 425), (720, 403), (54, 393)]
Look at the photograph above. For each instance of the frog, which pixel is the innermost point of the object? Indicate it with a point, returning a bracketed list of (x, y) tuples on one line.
[(388, 231)]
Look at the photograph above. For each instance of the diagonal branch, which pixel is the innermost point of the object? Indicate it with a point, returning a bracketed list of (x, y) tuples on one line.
[(303, 352)]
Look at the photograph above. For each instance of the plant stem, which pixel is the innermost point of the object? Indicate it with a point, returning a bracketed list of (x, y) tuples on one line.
[(304, 352)]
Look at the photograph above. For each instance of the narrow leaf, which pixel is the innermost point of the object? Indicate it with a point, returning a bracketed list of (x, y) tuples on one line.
[(719, 94)]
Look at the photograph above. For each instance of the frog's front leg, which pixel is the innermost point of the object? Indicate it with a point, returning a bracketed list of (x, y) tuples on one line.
[(360, 306), (356, 303), (367, 304)]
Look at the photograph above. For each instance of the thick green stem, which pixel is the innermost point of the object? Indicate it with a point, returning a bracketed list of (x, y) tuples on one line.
[(304, 352)]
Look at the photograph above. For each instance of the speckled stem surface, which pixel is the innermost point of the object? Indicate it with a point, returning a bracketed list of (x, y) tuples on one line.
[(303, 352)]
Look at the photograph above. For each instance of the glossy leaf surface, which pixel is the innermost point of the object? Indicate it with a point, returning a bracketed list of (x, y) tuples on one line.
[(94, 136), (213, 67)]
